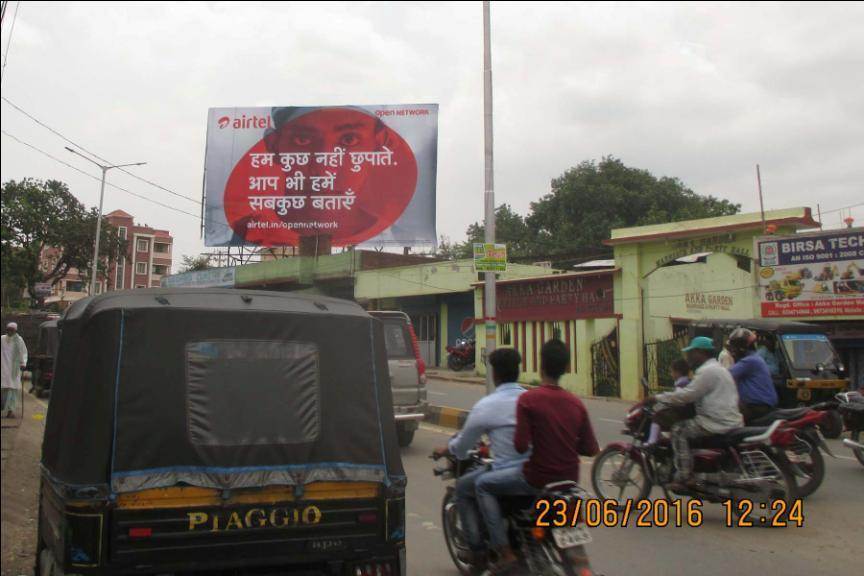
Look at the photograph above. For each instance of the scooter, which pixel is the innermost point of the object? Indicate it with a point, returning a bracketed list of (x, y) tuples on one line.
[(851, 406)]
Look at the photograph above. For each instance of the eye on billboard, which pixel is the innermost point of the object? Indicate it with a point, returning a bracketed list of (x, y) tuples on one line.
[(357, 174)]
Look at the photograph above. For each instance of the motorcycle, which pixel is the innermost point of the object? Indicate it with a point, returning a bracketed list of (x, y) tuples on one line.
[(461, 355), (851, 407), (556, 551), (804, 454), (740, 465)]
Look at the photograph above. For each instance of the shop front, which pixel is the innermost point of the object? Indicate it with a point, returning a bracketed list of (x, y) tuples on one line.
[(576, 308)]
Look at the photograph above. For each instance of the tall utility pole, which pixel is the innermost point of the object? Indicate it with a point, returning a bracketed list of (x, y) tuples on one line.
[(489, 196), (94, 268), (761, 203)]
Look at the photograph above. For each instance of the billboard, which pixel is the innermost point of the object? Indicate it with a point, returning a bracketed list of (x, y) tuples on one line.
[(210, 278), (357, 174), (490, 257), (818, 274), (566, 297)]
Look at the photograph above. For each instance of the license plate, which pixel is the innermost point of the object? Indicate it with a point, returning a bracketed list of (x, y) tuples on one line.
[(570, 537)]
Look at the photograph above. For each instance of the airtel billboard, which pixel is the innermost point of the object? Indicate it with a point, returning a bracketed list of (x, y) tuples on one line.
[(358, 174)]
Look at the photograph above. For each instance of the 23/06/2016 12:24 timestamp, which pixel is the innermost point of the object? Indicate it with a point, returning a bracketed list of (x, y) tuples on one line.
[(663, 512)]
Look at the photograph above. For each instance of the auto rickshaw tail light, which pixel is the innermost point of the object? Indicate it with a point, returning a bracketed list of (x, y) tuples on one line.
[(140, 532)]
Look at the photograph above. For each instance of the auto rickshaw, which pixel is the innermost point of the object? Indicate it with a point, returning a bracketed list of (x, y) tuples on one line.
[(808, 368), (217, 430), (43, 360)]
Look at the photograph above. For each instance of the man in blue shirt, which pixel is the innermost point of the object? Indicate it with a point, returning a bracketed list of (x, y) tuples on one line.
[(768, 352), (494, 416), (756, 390)]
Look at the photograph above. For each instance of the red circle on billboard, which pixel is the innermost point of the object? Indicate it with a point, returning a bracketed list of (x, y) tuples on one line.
[(332, 171)]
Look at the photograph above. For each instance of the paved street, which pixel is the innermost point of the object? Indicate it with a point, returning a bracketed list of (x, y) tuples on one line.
[(827, 544)]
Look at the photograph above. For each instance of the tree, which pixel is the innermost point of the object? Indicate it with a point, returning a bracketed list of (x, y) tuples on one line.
[(195, 263), (46, 232), (588, 201)]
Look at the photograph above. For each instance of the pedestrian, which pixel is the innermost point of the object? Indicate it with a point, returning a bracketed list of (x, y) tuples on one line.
[(14, 360)]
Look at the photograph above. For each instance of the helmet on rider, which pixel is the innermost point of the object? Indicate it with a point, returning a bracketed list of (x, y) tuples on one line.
[(741, 342)]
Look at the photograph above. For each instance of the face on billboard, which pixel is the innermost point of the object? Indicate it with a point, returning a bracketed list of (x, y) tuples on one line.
[(335, 171)]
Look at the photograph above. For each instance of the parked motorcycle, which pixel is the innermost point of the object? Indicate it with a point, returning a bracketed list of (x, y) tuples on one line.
[(741, 464), (559, 551), (851, 407), (804, 454), (461, 355)]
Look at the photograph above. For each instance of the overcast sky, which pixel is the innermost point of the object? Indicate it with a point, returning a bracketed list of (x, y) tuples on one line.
[(698, 91)]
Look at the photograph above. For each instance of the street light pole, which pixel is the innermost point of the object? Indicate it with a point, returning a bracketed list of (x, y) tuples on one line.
[(489, 320), (94, 268)]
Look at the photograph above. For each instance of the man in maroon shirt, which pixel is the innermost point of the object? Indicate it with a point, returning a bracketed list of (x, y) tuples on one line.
[(554, 425)]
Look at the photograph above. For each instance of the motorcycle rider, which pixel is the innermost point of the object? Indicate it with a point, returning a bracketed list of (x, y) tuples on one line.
[(715, 398), (756, 390), (495, 416), (553, 423)]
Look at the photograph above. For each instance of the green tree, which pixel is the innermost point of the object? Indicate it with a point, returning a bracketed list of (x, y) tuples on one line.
[(40, 215), (195, 263), (510, 229), (588, 201)]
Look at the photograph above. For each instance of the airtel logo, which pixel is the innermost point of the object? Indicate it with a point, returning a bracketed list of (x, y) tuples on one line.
[(245, 122)]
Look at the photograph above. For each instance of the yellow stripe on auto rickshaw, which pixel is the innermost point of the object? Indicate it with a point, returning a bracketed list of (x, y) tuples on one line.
[(186, 496), (817, 384)]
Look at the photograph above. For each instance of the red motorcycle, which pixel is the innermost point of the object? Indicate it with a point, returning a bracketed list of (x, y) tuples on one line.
[(744, 464), (461, 355), (804, 454)]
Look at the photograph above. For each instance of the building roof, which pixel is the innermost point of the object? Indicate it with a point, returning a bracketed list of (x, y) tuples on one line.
[(797, 218), (119, 214), (595, 264), (562, 276)]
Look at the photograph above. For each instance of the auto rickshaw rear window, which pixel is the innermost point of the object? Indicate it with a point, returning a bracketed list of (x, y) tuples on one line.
[(244, 392)]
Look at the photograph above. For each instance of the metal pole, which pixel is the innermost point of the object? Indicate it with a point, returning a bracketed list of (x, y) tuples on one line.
[(94, 269), (489, 196), (761, 204)]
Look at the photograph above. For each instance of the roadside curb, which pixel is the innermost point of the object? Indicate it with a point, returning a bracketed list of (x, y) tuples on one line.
[(446, 417), (463, 379)]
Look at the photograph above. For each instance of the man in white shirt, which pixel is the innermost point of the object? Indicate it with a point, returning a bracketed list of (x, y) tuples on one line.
[(14, 360), (495, 416), (715, 398)]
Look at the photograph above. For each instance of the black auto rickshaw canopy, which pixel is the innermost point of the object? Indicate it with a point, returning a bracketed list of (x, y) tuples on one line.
[(219, 388), (49, 338)]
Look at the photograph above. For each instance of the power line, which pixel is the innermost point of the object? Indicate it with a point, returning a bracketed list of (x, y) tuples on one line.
[(57, 133), (9, 40), (859, 204), (98, 178)]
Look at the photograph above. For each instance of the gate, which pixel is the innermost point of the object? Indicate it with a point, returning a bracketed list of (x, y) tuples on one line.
[(605, 366), (657, 360)]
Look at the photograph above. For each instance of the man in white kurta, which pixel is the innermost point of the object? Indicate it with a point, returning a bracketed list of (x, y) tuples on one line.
[(14, 359)]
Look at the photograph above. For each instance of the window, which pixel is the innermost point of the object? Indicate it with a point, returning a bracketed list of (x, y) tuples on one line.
[(143, 245), (141, 268), (121, 271), (76, 286), (161, 247), (242, 392), (121, 231), (396, 339), (505, 334), (159, 269)]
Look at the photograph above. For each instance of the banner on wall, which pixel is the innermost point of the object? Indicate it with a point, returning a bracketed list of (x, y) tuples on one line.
[(357, 174), (818, 274)]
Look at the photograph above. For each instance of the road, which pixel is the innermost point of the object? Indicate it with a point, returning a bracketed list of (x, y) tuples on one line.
[(830, 542), (825, 545)]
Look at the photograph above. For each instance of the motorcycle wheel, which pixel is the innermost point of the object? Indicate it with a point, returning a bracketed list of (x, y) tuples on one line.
[(806, 456), (784, 488), (455, 363), (833, 428), (859, 453), (614, 470), (452, 535)]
